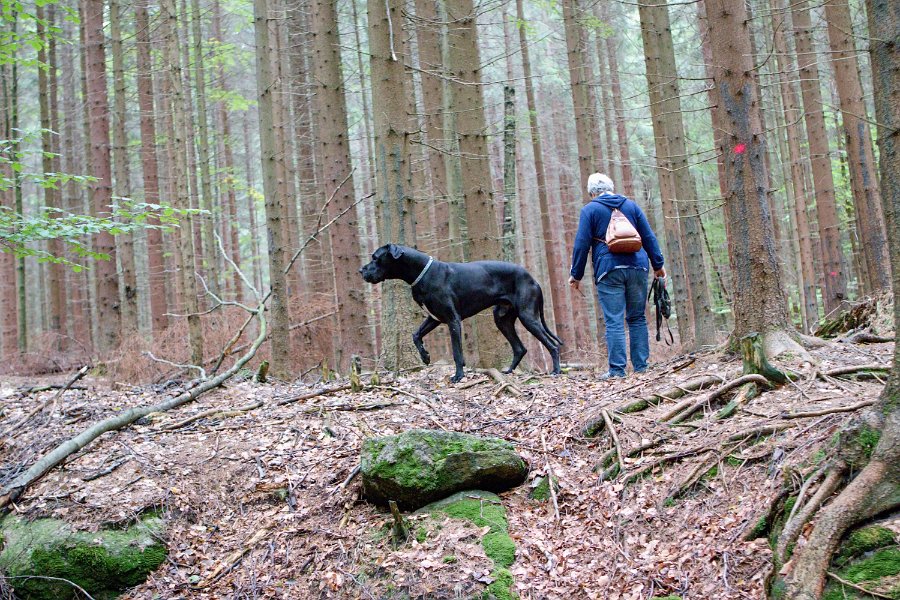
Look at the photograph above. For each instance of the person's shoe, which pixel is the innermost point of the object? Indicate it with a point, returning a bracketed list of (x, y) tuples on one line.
[(610, 375)]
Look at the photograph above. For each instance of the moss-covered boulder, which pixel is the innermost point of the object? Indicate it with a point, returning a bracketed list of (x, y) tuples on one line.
[(103, 563), (422, 466), (484, 509)]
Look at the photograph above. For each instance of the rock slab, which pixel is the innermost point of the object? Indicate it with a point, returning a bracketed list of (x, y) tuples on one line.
[(422, 466)]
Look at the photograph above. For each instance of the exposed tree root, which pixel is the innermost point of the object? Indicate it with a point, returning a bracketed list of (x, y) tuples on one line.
[(828, 411), (851, 370), (798, 518), (860, 588), (692, 407)]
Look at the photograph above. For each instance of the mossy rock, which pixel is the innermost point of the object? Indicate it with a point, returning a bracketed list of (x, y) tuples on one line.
[(858, 439), (872, 571), (484, 509), (104, 563), (541, 489), (422, 466)]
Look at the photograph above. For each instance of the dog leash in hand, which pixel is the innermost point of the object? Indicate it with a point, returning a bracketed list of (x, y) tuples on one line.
[(663, 308), (425, 270)]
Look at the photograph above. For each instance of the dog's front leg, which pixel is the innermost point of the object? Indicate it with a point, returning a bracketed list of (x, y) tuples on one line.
[(425, 328), (456, 341)]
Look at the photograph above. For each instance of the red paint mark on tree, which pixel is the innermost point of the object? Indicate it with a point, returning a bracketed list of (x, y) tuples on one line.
[(740, 148)]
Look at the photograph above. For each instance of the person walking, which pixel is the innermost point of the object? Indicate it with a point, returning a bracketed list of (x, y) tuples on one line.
[(621, 273)]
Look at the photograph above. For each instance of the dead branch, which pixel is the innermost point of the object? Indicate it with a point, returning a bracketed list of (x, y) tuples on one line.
[(213, 412), (56, 456), (346, 407), (503, 381), (106, 471), (857, 587), (687, 411), (758, 431), (699, 471), (615, 438), (311, 395), (81, 373), (550, 479), (232, 559), (828, 411), (347, 481)]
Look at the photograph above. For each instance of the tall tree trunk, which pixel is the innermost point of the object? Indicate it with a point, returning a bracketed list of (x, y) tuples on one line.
[(860, 155), (464, 65), (618, 105), (334, 152), (47, 101), (654, 27), (107, 286), (178, 150), (9, 309), (576, 52), (759, 300), (557, 303), (280, 334), (121, 183), (210, 255), (509, 173), (155, 264), (794, 134), (391, 109), (429, 46), (829, 230)]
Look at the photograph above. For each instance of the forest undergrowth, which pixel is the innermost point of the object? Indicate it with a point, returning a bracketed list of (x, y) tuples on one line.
[(254, 479)]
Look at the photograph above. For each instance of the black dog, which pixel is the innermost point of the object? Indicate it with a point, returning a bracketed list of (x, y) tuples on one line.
[(451, 292)]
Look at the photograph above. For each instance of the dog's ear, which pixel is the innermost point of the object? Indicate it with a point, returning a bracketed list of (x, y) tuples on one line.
[(396, 251)]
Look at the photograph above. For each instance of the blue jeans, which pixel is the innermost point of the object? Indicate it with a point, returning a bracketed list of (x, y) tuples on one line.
[(623, 296)]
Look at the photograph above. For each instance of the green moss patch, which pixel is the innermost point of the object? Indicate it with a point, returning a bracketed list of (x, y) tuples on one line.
[(863, 540), (103, 563), (872, 569), (484, 509)]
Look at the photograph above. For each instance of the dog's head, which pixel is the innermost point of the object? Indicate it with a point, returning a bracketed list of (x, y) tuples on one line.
[(383, 265)]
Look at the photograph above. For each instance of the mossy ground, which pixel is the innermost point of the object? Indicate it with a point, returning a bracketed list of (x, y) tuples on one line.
[(485, 510), (103, 563), (871, 569)]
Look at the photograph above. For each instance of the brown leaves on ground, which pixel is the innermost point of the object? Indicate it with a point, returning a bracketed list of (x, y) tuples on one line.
[(254, 508)]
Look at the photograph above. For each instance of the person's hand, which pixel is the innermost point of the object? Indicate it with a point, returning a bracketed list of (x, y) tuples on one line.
[(574, 283), (660, 273)]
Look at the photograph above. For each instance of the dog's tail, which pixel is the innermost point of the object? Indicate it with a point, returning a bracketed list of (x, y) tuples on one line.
[(552, 335)]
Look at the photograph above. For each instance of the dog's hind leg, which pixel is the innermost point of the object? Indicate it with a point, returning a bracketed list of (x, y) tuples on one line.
[(505, 319), (533, 324), (427, 326)]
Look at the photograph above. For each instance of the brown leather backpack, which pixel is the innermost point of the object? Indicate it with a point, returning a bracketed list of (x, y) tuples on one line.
[(621, 236)]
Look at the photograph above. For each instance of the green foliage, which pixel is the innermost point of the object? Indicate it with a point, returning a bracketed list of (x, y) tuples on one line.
[(501, 587)]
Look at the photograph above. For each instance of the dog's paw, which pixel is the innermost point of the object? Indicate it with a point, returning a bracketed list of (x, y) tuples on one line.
[(426, 358), (507, 371), (457, 378), (556, 372)]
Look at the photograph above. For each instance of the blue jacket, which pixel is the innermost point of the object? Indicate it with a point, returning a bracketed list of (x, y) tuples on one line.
[(592, 230)]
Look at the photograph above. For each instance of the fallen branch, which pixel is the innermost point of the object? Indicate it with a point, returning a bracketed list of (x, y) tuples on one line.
[(81, 373), (503, 381), (232, 559), (347, 481), (850, 370), (614, 470), (758, 431), (346, 407), (550, 479), (56, 456), (106, 471), (311, 395), (213, 412), (858, 587), (828, 411)]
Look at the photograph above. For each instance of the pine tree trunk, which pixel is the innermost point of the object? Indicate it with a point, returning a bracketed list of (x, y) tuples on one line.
[(150, 166), (860, 155), (280, 323), (823, 183), (794, 134), (759, 299), (122, 186), (654, 27), (619, 106), (557, 306), (47, 102), (429, 46), (390, 93), (464, 66), (334, 152), (584, 125), (107, 283), (9, 342), (509, 173)]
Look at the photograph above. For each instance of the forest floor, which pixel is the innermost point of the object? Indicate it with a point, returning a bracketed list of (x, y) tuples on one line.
[(255, 508)]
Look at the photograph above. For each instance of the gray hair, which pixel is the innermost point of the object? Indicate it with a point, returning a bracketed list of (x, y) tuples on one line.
[(599, 183)]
